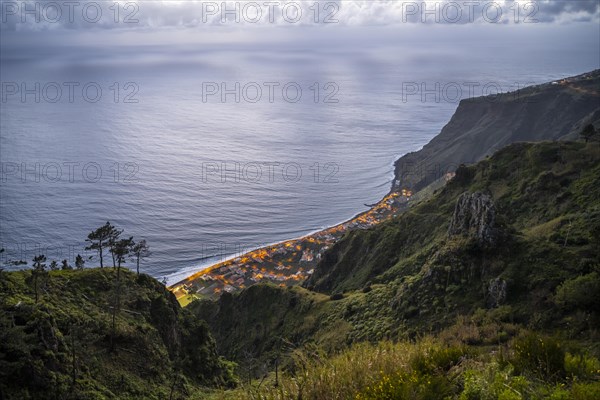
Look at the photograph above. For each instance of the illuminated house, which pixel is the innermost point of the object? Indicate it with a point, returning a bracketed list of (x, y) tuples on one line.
[(307, 256)]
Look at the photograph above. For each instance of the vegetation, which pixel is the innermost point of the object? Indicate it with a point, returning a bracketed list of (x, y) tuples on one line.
[(431, 369), (140, 251), (96, 334), (65, 346), (99, 239), (79, 262), (537, 278), (589, 133)]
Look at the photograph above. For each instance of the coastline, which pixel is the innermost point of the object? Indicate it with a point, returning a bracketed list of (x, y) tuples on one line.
[(286, 262), (198, 271), (290, 261)]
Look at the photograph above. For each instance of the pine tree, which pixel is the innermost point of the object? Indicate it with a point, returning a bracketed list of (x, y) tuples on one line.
[(113, 235), (99, 239), (140, 251)]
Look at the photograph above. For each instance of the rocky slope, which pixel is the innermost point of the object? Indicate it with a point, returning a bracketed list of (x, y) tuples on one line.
[(483, 125)]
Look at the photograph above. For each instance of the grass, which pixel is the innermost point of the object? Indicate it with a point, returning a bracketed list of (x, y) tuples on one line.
[(431, 369)]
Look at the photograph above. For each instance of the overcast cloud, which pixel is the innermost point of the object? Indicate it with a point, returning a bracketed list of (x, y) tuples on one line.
[(192, 14)]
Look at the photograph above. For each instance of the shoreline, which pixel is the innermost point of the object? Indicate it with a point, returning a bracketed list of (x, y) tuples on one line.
[(285, 262), (229, 258), (282, 242)]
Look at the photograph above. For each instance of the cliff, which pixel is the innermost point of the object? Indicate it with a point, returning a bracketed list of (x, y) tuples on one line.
[(483, 125)]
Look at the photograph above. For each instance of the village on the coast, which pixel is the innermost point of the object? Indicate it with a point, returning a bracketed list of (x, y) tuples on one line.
[(286, 263)]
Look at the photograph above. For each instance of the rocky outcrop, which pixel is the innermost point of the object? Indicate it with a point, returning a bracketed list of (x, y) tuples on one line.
[(475, 216), (496, 295)]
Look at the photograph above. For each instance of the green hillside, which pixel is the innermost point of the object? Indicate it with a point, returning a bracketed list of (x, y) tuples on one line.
[(546, 198), (507, 251), (64, 347)]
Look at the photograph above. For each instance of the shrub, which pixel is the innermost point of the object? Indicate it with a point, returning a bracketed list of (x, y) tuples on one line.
[(581, 292), (560, 393), (589, 391), (582, 366), (463, 331), (437, 360), (336, 296), (408, 386), (425, 379), (541, 355)]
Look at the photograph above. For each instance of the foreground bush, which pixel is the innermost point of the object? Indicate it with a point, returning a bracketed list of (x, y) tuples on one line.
[(542, 356)]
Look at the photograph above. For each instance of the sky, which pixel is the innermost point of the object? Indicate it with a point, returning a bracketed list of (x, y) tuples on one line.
[(48, 15), (33, 27)]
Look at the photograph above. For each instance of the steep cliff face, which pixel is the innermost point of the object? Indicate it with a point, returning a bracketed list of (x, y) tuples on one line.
[(483, 125)]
